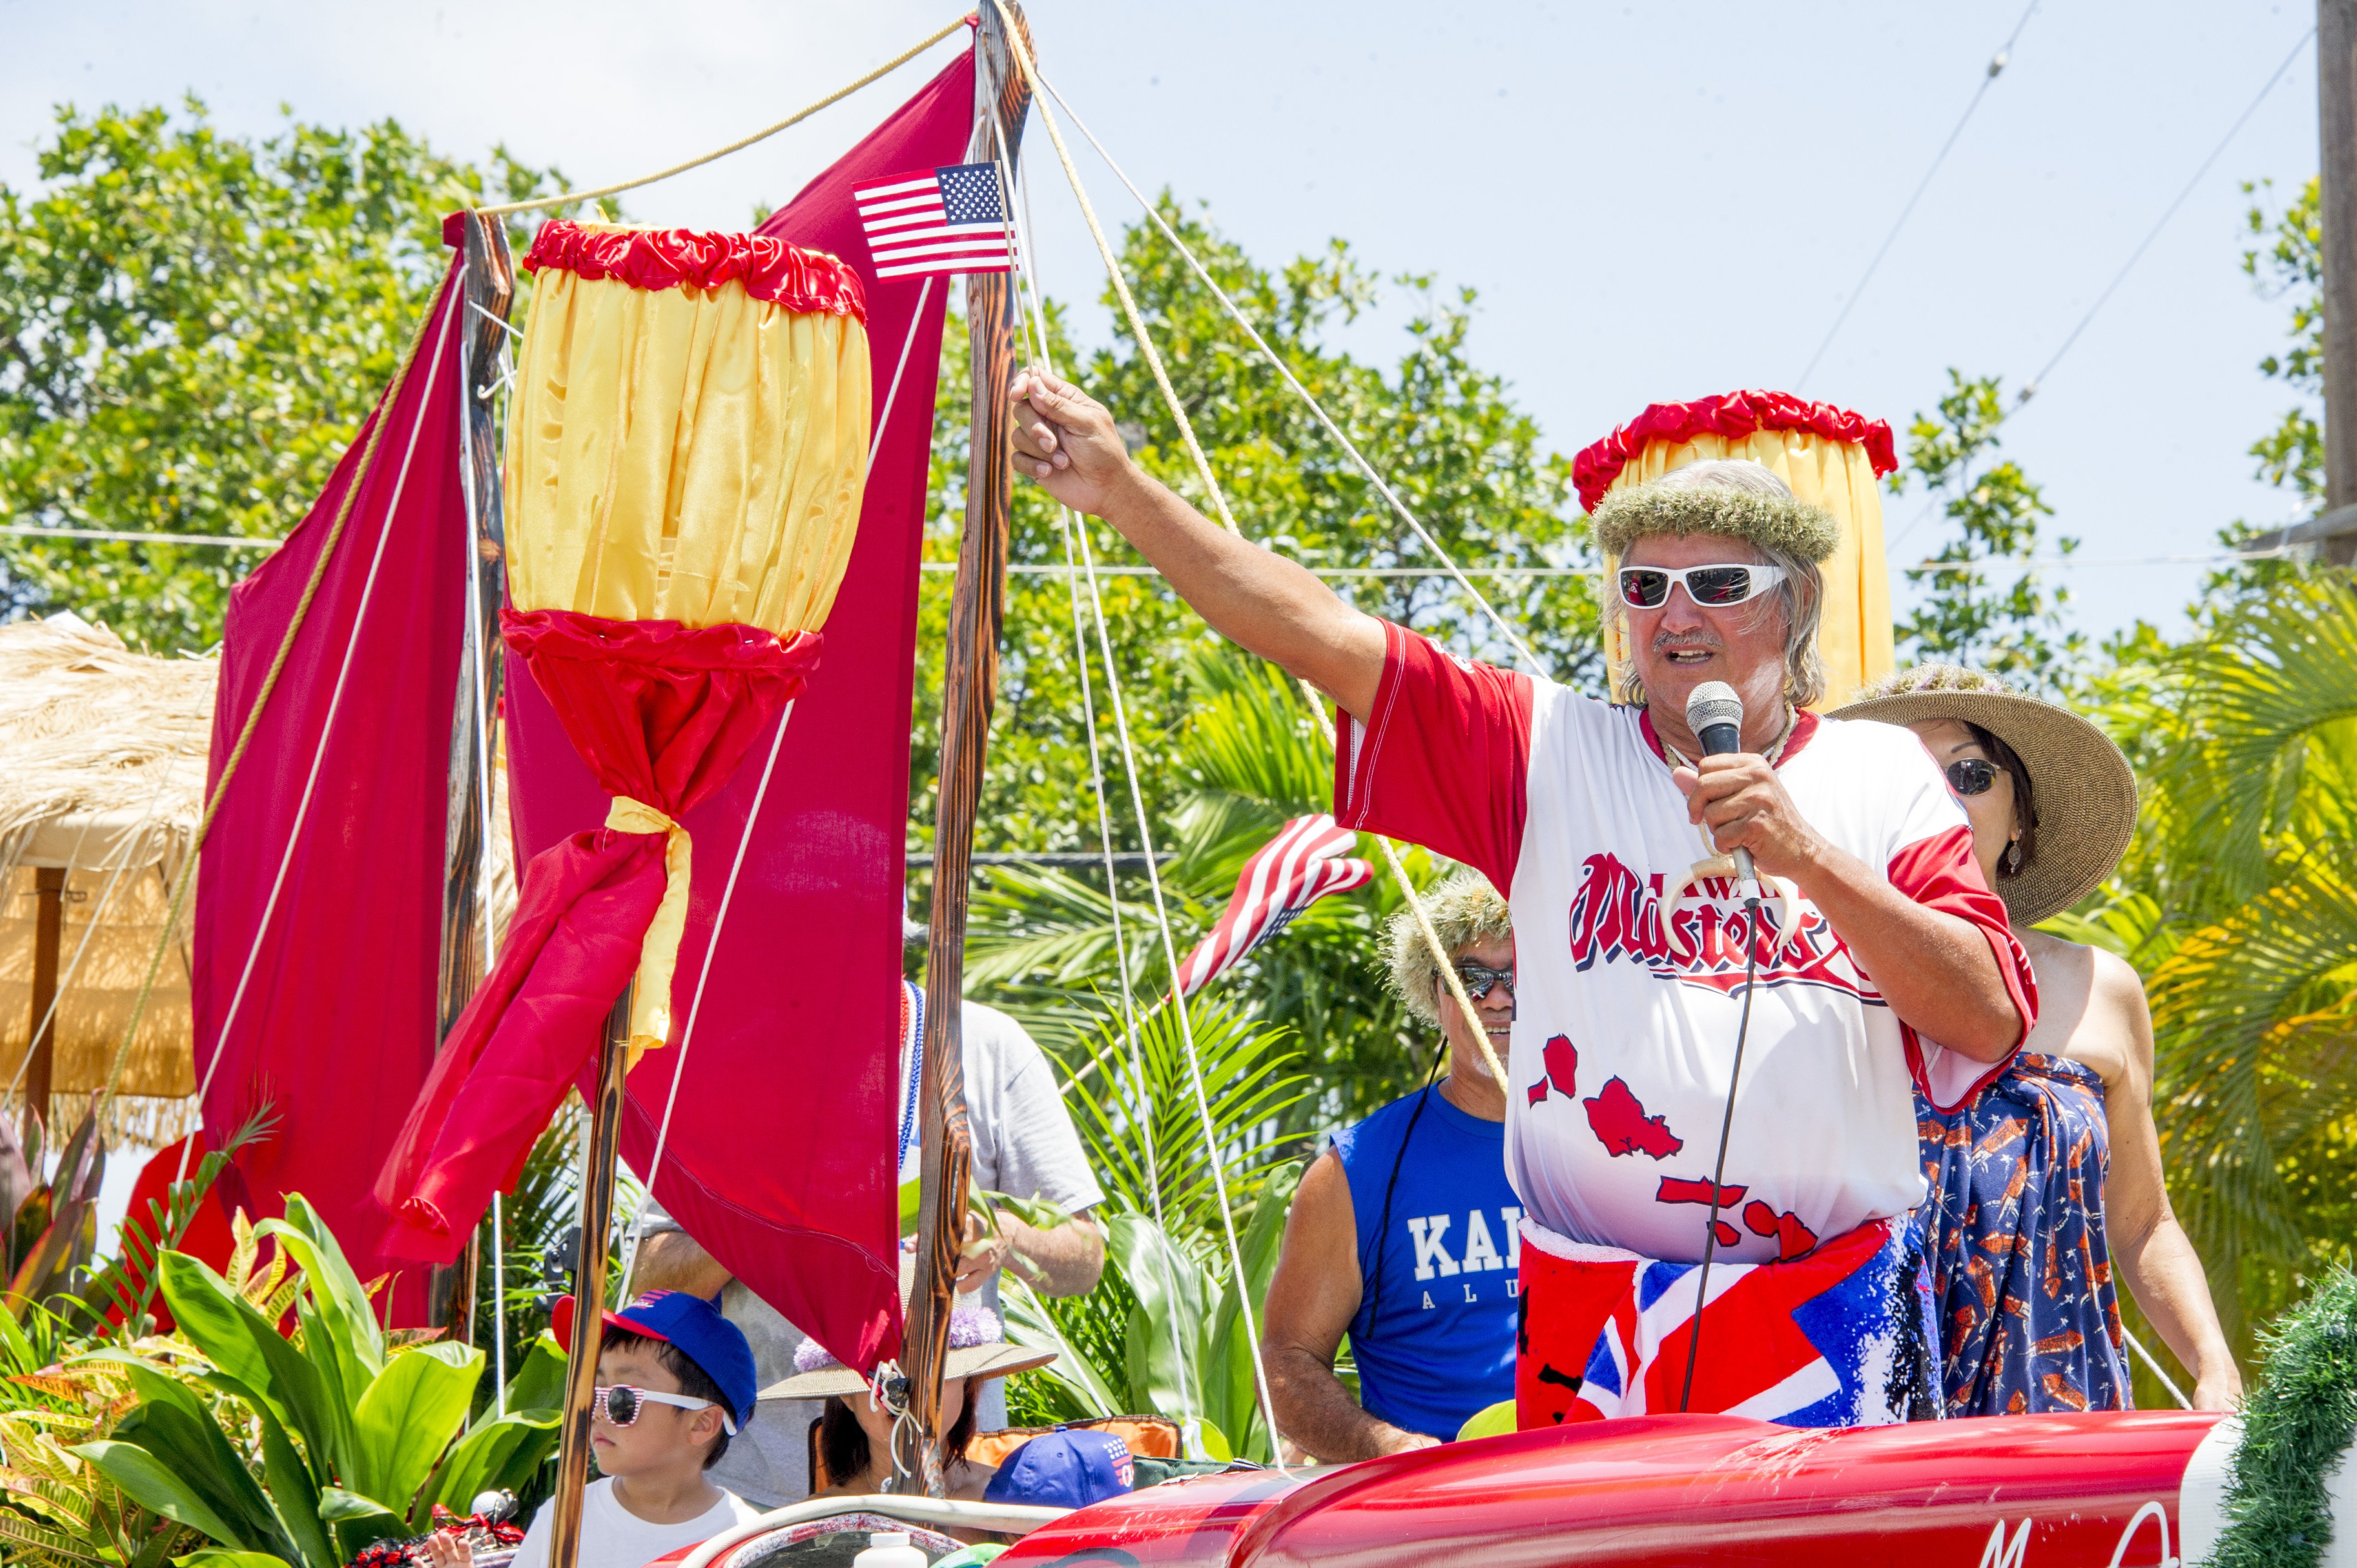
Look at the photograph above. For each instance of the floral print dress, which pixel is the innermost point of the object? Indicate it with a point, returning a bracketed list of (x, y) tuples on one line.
[(2013, 1231)]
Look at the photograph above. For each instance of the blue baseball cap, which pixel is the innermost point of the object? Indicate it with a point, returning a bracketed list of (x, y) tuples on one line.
[(1063, 1468), (694, 1328)]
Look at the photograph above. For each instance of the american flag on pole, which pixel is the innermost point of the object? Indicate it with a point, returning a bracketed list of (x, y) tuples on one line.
[(947, 220), (1300, 866)]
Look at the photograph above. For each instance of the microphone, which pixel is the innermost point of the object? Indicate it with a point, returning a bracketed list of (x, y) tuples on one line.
[(1714, 713)]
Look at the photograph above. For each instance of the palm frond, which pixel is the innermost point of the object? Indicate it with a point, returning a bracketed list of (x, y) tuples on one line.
[(2274, 686), (2251, 1036)]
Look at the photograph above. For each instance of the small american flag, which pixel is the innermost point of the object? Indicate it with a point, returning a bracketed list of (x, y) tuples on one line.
[(945, 220), (1300, 866)]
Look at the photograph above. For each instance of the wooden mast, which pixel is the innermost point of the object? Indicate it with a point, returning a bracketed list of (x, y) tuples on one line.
[(969, 691), (589, 1288), (488, 287)]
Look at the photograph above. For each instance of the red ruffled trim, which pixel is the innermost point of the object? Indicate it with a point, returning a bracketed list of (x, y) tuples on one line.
[(662, 644), (1733, 415), (674, 258)]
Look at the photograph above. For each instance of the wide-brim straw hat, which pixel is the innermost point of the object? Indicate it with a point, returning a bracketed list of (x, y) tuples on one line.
[(985, 1353), (998, 1360), (2080, 785)]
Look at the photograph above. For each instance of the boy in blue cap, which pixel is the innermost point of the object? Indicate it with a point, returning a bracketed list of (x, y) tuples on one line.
[(675, 1382)]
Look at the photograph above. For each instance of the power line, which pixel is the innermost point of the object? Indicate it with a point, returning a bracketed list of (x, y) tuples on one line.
[(116, 536), (2030, 388), (1997, 64)]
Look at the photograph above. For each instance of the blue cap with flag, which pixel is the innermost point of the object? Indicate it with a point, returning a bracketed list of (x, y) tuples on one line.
[(1063, 1468), (694, 1328)]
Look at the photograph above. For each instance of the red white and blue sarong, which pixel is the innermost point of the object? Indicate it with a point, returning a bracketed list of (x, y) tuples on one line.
[(1837, 1337)]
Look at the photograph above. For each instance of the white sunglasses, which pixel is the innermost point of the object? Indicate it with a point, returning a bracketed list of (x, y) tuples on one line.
[(1713, 588), (620, 1404)]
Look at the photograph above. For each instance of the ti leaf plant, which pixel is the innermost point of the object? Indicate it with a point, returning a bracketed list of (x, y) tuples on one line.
[(359, 1437)]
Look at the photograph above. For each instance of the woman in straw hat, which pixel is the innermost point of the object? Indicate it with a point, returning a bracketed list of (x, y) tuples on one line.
[(855, 1432), (2054, 1169)]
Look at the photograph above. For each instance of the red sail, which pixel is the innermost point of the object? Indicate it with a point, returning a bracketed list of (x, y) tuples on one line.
[(779, 1155)]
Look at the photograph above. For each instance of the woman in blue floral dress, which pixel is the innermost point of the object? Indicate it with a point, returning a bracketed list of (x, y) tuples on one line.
[(2050, 1174)]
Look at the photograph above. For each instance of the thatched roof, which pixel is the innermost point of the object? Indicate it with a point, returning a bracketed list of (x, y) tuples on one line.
[(102, 764), (102, 757), (98, 747)]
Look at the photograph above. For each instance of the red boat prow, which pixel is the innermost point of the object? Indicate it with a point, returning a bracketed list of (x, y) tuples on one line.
[(2041, 1491)]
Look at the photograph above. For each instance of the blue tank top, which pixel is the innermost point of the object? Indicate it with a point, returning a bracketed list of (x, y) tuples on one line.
[(1434, 1336)]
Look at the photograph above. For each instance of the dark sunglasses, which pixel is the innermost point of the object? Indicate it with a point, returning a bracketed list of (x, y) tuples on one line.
[(1972, 776), (1479, 978), (621, 1404), (1648, 587)]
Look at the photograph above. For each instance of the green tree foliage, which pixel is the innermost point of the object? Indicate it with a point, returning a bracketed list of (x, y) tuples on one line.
[(2286, 262), (192, 326), (1445, 433), (1979, 610)]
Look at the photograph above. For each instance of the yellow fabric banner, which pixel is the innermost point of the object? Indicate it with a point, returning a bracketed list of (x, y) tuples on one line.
[(684, 454)]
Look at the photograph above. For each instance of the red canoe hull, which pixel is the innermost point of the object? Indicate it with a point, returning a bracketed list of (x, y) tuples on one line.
[(2007, 1492)]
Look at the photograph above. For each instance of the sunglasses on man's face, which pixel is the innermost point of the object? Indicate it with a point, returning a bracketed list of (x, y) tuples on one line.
[(1972, 776), (1479, 978), (1713, 588), (621, 1404)]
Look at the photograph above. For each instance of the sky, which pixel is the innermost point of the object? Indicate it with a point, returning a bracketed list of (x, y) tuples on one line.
[(1653, 203)]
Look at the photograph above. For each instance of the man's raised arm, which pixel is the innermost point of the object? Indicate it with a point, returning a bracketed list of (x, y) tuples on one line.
[(1066, 441)]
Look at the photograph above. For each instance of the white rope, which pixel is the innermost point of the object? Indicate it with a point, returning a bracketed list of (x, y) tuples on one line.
[(1035, 324), (2154, 1367), (696, 1003), (1243, 322), (1441, 958), (743, 839), (483, 802), (326, 728)]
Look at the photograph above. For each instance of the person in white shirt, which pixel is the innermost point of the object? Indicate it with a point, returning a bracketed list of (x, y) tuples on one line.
[(1024, 1146), (1888, 961), (675, 1379)]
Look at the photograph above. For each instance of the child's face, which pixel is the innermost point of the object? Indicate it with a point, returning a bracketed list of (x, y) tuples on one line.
[(663, 1433)]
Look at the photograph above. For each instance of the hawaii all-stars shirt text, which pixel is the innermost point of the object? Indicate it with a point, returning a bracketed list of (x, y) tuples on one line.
[(1627, 1012)]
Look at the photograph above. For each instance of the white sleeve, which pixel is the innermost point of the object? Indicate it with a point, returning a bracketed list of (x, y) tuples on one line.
[(1037, 1152), (534, 1552)]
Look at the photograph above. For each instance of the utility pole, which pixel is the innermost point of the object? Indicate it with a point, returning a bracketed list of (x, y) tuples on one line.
[(2336, 117)]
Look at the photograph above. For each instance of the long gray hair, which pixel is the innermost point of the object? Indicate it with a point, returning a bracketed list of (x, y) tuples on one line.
[(1800, 596)]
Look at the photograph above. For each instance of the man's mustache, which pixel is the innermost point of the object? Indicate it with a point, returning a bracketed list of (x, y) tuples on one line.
[(1664, 641)]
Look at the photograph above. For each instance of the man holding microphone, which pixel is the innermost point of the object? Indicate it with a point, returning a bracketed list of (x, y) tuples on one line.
[(1877, 957)]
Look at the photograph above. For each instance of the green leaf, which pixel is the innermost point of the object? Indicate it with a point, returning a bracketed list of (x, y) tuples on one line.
[(146, 1481), (337, 1506), (248, 1346), (1166, 1339), (1230, 1385), (408, 1416), (294, 1490), (214, 1557), (336, 1293), (505, 1452), (912, 1198), (539, 1382), (1029, 1323)]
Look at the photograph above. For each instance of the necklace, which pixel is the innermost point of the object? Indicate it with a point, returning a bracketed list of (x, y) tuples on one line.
[(912, 1034), (1774, 754)]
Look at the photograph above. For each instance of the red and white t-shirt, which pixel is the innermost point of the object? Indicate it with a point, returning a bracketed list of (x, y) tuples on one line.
[(1623, 1039)]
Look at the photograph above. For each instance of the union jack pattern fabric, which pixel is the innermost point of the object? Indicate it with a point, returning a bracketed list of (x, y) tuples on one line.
[(1838, 1337), (2029, 1318), (1300, 866)]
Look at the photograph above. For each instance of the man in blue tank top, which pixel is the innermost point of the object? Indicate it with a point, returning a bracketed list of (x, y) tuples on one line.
[(1404, 1231)]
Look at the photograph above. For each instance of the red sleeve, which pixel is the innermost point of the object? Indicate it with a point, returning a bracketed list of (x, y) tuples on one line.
[(1442, 758), (1940, 872)]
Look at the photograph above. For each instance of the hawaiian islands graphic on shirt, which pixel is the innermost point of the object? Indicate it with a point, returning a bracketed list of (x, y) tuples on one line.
[(1618, 917)]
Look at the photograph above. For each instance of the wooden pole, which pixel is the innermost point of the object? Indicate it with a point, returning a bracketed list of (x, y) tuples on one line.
[(969, 691), (49, 930), (2336, 117), (489, 286), (589, 1290)]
